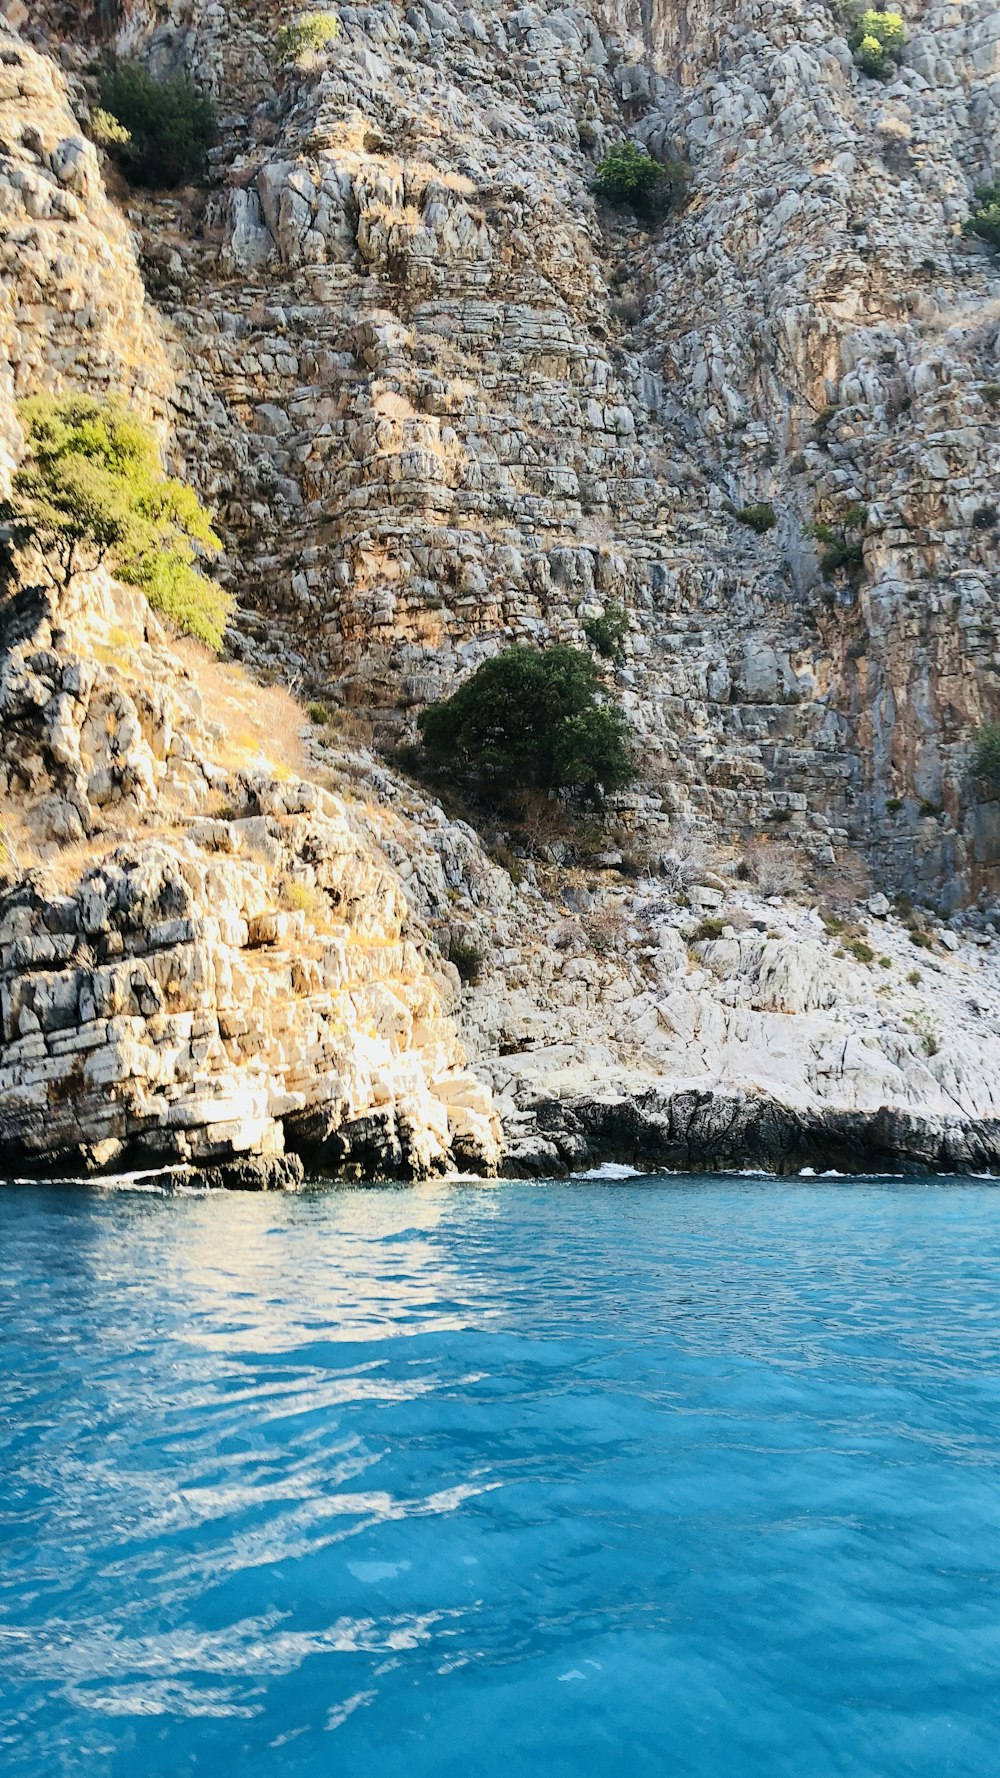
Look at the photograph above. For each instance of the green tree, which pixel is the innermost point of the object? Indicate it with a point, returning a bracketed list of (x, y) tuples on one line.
[(631, 179), (532, 718), (165, 127), (309, 34), (877, 39), (92, 489)]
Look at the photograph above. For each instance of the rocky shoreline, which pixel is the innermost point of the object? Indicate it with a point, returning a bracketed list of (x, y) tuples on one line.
[(687, 1132)]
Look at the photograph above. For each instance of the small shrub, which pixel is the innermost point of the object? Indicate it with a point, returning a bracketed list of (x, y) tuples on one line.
[(877, 39), (319, 714), (985, 218), (861, 951), (302, 898), (467, 958), (984, 518), (914, 977), (607, 633), (604, 930), (894, 804), (885, 962), (920, 939), (308, 35), (631, 179), (91, 488), (842, 553), (774, 869), (106, 131), (760, 518), (986, 755), (930, 1042), (530, 718), (164, 127), (708, 929)]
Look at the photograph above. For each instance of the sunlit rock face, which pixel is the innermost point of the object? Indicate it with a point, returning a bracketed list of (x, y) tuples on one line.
[(441, 400), (468, 405)]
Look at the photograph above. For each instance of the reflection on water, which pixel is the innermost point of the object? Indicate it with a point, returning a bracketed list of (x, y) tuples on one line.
[(694, 1476)]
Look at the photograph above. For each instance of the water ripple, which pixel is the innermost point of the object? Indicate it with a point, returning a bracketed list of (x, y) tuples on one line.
[(693, 1476)]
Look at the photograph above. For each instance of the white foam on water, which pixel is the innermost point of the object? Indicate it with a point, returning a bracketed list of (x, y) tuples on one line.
[(611, 1170)]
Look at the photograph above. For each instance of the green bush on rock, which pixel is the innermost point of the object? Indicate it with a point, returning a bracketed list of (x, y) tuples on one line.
[(606, 634), (760, 517), (159, 131), (985, 218), (631, 179), (877, 39), (92, 488), (530, 718), (307, 35)]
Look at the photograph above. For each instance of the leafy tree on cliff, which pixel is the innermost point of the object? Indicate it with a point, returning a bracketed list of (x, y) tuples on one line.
[(92, 489), (631, 179), (165, 128), (532, 718), (877, 39)]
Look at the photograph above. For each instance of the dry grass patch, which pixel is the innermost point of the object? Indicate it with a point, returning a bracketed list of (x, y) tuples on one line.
[(263, 724)]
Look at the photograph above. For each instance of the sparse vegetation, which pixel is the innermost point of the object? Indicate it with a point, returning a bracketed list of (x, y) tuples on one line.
[(708, 930), (843, 550), (774, 869), (861, 951), (302, 898), (605, 929), (877, 39), (984, 220), (467, 958), (531, 718), (920, 939), (92, 489), (606, 634), (926, 1031), (760, 517), (318, 714), (631, 179), (160, 131), (986, 755), (307, 35)]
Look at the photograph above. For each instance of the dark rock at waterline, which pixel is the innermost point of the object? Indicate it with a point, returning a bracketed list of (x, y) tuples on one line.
[(251, 1173), (699, 1132)]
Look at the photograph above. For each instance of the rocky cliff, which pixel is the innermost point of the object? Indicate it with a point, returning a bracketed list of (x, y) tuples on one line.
[(439, 400)]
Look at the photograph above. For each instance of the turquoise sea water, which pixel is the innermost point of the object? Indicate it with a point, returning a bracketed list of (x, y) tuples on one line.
[(677, 1477)]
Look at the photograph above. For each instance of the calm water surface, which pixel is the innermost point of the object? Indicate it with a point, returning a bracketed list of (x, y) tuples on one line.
[(668, 1477)]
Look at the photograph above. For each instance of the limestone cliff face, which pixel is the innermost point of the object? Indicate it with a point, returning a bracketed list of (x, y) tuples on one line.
[(224, 962), (471, 407), (441, 401)]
